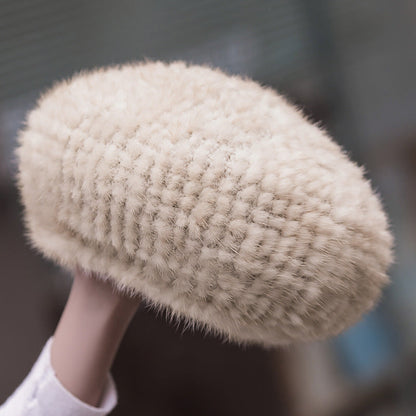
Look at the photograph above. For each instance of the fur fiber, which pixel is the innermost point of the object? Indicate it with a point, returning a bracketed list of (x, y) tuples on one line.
[(209, 194)]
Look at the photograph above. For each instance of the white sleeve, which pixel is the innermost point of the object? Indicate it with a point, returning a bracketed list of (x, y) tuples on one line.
[(42, 394)]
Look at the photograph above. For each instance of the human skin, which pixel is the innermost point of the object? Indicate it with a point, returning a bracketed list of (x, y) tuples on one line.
[(88, 335)]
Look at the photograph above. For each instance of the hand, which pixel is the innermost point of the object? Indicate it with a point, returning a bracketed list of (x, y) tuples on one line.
[(88, 335)]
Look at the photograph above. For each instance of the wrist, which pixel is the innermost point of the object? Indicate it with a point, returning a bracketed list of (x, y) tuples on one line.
[(88, 335)]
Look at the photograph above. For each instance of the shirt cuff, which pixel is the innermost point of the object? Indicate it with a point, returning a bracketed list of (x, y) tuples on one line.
[(45, 395), (52, 392)]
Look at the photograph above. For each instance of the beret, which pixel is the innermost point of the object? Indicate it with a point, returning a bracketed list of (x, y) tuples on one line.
[(207, 193)]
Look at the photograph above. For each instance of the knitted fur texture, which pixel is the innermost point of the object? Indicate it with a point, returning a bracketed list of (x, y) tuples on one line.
[(207, 193)]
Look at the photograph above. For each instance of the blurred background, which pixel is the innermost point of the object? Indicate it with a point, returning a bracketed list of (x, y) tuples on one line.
[(350, 64)]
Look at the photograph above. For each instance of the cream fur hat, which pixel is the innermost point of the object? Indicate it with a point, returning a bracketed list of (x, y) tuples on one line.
[(210, 195)]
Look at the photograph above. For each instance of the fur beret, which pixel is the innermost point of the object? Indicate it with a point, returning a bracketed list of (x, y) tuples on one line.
[(207, 193)]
